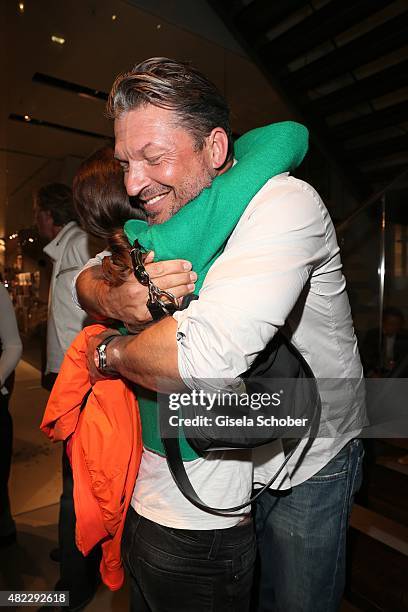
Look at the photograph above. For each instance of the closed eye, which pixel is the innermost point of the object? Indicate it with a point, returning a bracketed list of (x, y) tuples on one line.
[(153, 161)]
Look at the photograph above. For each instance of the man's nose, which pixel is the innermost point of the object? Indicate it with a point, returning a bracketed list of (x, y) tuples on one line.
[(136, 179)]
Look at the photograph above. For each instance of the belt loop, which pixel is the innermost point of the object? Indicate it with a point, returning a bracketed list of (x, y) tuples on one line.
[(215, 545)]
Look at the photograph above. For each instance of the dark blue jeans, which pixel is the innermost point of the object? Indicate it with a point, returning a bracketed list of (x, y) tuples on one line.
[(302, 538), (178, 570)]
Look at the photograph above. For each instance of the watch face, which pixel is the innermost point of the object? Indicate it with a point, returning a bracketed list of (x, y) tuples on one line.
[(96, 358)]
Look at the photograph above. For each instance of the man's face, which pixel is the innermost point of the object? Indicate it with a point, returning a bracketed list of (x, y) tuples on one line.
[(44, 222), (162, 167)]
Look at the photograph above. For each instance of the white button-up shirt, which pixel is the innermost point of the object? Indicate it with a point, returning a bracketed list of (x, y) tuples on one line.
[(281, 265)]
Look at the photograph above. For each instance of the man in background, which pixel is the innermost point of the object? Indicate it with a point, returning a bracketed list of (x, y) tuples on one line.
[(382, 360), (68, 249)]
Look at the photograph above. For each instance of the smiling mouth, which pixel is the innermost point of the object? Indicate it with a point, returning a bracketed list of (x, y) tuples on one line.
[(153, 201)]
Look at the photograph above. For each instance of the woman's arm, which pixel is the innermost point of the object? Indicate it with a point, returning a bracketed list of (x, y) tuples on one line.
[(9, 336)]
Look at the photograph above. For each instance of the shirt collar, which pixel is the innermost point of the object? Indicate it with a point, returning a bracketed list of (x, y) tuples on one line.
[(53, 248)]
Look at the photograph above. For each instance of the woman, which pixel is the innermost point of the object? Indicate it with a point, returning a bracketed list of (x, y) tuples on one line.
[(10, 353)]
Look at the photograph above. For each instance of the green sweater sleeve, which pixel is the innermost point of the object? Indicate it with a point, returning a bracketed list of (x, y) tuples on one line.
[(200, 230)]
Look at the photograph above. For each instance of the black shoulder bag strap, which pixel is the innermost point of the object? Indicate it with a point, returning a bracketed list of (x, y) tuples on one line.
[(176, 464), (178, 471)]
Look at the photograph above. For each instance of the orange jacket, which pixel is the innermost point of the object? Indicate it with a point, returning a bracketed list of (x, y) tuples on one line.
[(105, 449)]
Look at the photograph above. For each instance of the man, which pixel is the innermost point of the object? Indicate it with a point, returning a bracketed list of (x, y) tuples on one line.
[(11, 349), (68, 248), (394, 345), (281, 266)]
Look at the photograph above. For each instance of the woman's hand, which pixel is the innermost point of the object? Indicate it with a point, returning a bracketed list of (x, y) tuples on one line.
[(127, 302)]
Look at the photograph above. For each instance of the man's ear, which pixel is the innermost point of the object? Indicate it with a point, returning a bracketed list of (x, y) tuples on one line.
[(217, 143)]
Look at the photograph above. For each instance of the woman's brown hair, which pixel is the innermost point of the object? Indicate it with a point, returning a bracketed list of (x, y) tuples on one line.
[(103, 207)]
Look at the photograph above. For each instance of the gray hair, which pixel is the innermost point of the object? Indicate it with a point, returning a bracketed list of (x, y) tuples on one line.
[(176, 86)]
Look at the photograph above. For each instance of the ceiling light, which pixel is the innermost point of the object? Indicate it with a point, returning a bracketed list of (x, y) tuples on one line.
[(31, 240), (27, 117), (114, 17), (21, 7), (58, 39), (158, 26), (87, 96)]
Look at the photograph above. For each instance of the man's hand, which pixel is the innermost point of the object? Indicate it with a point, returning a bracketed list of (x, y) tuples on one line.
[(127, 303), (93, 342)]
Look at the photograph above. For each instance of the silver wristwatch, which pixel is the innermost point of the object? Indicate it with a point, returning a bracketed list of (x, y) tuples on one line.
[(100, 356)]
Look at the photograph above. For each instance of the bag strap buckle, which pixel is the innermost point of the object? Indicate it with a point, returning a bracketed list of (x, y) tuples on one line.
[(156, 305)]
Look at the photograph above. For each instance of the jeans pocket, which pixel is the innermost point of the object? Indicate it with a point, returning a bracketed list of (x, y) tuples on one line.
[(168, 588), (128, 537), (357, 477), (182, 535), (336, 468), (244, 562)]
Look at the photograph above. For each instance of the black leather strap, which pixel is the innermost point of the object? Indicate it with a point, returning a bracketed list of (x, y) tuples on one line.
[(178, 471), (103, 369), (175, 461)]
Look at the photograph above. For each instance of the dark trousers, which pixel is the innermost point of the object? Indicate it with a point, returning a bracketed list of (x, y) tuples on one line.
[(78, 574), (7, 526), (177, 570)]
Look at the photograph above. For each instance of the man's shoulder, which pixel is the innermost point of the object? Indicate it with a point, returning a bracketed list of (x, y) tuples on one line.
[(76, 233), (77, 243), (285, 196), (287, 184)]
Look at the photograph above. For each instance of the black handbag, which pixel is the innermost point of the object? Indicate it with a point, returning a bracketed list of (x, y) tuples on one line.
[(279, 364)]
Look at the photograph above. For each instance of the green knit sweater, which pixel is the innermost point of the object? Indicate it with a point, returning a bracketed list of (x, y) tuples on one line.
[(200, 230)]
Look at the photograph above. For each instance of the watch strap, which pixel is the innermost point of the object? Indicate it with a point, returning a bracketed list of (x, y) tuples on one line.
[(101, 350)]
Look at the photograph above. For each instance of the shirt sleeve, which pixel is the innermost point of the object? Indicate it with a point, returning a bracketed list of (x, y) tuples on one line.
[(10, 338), (253, 286), (94, 261)]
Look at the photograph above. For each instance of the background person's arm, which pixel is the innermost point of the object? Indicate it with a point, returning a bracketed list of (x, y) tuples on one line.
[(10, 338)]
